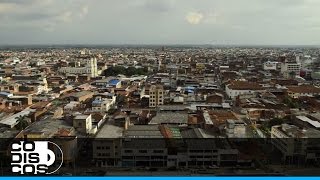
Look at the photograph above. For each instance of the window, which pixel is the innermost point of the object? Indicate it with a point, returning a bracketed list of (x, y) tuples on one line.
[(98, 147), (143, 151), (196, 151), (158, 151), (128, 151), (127, 157), (105, 154)]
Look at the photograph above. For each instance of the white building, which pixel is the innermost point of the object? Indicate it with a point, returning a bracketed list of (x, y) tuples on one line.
[(88, 67), (288, 67), (242, 87), (42, 86), (103, 103), (156, 95), (269, 65)]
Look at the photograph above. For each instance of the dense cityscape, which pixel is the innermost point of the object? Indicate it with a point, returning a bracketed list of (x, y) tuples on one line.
[(161, 109)]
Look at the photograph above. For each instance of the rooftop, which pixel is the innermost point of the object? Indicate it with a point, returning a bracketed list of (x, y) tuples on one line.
[(81, 117), (11, 121), (48, 127), (303, 89), (114, 82), (110, 131), (80, 94), (315, 124), (244, 85), (143, 131), (170, 118)]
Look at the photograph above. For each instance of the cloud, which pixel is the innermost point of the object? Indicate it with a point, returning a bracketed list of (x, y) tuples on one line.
[(46, 14), (235, 21), (5, 7), (84, 11), (212, 18), (16, 1), (159, 6), (49, 27), (194, 17), (65, 17), (155, 6)]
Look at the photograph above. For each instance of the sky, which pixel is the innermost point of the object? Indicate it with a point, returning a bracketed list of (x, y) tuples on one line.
[(216, 22)]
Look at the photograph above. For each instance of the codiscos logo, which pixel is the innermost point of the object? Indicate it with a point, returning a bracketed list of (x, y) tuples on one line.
[(35, 157)]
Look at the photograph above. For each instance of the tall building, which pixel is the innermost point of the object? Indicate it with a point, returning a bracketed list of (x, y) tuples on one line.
[(159, 64), (88, 66), (156, 93), (291, 68)]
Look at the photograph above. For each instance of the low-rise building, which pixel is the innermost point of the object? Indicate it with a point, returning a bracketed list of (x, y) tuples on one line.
[(80, 96), (236, 88), (270, 65), (303, 90), (296, 145), (83, 123)]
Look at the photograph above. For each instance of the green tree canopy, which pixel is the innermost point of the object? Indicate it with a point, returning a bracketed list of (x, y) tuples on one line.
[(22, 122), (116, 70)]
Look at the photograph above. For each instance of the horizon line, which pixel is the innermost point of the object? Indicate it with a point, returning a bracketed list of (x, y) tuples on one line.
[(159, 44)]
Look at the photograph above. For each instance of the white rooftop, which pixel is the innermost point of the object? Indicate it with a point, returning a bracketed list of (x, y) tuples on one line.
[(315, 124), (11, 121)]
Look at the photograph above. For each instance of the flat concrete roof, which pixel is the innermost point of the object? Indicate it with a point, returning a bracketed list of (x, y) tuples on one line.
[(11, 121), (170, 118), (110, 131)]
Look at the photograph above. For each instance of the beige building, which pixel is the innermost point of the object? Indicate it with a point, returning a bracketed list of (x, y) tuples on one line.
[(156, 95), (83, 123), (304, 90)]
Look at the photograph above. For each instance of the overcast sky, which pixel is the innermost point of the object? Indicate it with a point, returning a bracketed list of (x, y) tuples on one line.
[(263, 22)]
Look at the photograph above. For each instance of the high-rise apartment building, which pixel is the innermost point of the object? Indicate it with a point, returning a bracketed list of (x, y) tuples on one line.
[(291, 68), (156, 95)]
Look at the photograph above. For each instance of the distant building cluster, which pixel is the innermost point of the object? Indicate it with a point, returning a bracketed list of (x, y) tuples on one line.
[(209, 101)]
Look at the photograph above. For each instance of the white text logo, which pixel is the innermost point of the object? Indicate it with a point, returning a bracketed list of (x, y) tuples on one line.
[(34, 157)]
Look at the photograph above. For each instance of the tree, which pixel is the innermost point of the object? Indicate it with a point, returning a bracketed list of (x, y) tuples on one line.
[(266, 126), (292, 74), (116, 70), (290, 102), (22, 122), (275, 121)]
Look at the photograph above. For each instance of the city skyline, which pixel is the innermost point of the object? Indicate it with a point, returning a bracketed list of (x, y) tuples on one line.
[(245, 22)]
